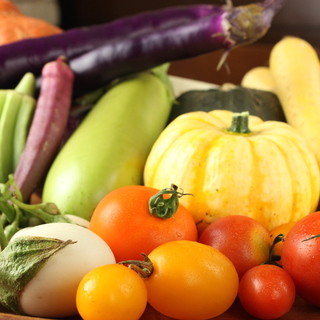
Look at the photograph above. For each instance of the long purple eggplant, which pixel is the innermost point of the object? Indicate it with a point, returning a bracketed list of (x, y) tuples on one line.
[(31, 54), (226, 28)]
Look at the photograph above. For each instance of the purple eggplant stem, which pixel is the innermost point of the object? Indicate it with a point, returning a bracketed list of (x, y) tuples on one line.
[(251, 22)]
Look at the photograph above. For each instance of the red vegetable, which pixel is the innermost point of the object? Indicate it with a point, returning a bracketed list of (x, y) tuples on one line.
[(47, 127), (301, 256), (267, 291), (242, 239), (136, 219)]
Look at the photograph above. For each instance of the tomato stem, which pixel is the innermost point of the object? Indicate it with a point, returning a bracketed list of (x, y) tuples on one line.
[(143, 267), (272, 257), (312, 237), (164, 208)]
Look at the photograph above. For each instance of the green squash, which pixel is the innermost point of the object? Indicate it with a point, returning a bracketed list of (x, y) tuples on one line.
[(263, 104)]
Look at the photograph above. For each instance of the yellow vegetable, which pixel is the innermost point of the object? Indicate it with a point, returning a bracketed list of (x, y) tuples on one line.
[(295, 68), (259, 78), (267, 173)]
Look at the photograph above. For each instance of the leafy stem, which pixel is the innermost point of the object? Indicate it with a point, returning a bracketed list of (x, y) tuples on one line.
[(3, 238), (47, 212), (16, 213)]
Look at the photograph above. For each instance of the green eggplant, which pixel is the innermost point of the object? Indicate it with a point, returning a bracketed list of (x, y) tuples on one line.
[(109, 148)]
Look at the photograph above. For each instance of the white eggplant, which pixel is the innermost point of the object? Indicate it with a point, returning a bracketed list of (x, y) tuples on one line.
[(50, 290)]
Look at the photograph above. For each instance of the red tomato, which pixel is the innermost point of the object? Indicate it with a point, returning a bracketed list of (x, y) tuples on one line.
[(266, 292), (123, 220), (243, 240), (191, 280), (301, 257)]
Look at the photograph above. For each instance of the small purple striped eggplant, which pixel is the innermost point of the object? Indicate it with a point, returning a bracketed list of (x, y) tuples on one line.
[(47, 127)]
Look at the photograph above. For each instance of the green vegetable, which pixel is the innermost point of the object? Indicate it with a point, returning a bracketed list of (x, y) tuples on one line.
[(16, 215), (263, 104), (109, 148)]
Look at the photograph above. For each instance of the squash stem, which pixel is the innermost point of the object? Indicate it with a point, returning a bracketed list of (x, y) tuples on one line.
[(164, 208), (240, 123)]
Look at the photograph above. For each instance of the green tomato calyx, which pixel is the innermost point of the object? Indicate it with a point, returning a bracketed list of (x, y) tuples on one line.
[(162, 207)]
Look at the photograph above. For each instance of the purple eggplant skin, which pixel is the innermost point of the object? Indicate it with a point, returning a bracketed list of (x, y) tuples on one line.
[(47, 128), (226, 28), (31, 54)]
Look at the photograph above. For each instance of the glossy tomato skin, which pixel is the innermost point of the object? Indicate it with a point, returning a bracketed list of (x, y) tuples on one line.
[(191, 281), (242, 239), (302, 258), (266, 292), (123, 220)]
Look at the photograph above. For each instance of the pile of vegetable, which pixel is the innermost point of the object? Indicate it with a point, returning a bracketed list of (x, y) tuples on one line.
[(119, 200)]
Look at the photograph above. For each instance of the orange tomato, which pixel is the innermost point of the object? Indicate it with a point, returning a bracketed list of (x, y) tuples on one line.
[(122, 218), (191, 280), (112, 292), (282, 229)]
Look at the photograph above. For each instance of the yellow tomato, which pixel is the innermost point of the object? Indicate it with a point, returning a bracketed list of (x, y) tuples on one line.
[(191, 280), (111, 292)]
